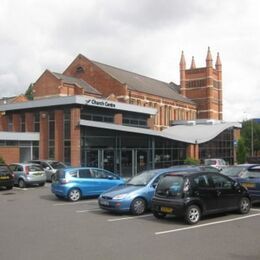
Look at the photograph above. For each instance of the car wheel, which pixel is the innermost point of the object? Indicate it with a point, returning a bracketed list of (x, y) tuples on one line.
[(42, 184), (138, 206), (159, 215), (53, 178), (74, 195), (192, 214), (244, 205), (21, 183)]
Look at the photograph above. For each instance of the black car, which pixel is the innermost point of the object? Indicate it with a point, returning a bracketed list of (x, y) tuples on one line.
[(193, 195), (6, 177)]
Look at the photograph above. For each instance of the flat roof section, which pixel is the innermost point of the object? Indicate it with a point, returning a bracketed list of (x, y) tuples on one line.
[(82, 100)]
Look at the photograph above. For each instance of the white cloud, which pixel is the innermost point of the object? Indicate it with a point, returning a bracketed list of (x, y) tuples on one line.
[(142, 36)]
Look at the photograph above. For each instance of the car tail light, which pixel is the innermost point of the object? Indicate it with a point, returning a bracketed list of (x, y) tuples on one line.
[(27, 170), (64, 181)]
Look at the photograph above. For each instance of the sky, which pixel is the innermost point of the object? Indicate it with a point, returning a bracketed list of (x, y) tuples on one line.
[(143, 36)]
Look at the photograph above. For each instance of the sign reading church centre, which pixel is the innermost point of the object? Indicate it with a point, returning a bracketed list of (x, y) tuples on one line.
[(98, 103)]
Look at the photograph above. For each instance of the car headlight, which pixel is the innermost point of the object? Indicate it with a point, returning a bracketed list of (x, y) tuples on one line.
[(120, 196)]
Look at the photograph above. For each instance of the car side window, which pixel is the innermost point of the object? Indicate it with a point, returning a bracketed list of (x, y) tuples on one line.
[(221, 182), (201, 182), (84, 173), (73, 173), (19, 168), (254, 174), (44, 165), (99, 174)]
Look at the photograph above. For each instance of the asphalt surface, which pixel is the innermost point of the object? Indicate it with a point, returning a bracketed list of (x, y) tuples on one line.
[(36, 225)]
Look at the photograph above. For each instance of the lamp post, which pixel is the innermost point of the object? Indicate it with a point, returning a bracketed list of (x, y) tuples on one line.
[(252, 137)]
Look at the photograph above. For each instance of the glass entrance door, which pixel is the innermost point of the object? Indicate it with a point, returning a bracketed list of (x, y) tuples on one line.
[(108, 160), (127, 165), (141, 160)]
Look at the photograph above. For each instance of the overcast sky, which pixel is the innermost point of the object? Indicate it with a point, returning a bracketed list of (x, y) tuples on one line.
[(143, 36)]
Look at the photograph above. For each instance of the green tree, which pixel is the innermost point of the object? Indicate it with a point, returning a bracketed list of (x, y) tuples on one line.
[(29, 92), (241, 151), (191, 161), (249, 127)]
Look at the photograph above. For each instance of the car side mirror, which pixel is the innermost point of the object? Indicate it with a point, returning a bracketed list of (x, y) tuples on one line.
[(47, 168), (154, 185), (110, 177), (236, 185)]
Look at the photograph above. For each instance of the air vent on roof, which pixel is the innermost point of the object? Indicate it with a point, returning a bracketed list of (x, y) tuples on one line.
[(80, 69)]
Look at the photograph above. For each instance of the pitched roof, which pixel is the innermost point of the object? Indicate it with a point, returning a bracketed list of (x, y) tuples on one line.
[(78, 82), (7, 100), (144, 84)]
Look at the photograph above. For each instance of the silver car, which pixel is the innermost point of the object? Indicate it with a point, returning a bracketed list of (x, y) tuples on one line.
[(28, 174), (50, 167)]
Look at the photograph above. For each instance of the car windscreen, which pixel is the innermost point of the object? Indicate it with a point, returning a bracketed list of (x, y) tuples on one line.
[(57, 165), (210, 162), (142, 179), (170, 186), (233, 171)]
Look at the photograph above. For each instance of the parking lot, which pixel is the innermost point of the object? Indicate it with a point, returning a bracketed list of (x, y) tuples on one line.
[(36, 225)]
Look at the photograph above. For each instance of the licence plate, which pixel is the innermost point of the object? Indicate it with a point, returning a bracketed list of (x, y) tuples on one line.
[(4, 178), (166, 210), (104, 202), (249, 185)]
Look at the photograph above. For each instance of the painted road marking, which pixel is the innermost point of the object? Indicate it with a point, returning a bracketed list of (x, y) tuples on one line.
[(74, 203), (88, 210), (205, 225), (128, 218)]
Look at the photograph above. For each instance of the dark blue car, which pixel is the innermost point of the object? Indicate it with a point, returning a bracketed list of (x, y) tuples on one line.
[(136, 195), (75, 183), (249, 176)]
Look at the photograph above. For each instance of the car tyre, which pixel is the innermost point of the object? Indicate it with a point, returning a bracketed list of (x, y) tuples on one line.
[(74, 195), (52, 178), (159, 215), (138, 206), (244, 205), (192, 214), (41, 184), (21, 183)]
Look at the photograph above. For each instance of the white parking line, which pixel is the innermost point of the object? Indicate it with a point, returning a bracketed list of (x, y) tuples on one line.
[(127, 218), (255, 209), (205, 225), (88, 210), (73, 203)]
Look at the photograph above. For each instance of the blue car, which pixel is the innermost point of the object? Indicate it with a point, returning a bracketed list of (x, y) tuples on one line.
[(249, 176), (76, 183), (136, 195)]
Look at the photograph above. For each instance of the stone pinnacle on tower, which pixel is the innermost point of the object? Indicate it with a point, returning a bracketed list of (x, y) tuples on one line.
[(182, 62), (218, 63), (209, 58), (193, 65)]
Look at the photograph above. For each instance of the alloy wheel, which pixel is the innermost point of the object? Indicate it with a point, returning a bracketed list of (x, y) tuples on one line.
[(74, 195)]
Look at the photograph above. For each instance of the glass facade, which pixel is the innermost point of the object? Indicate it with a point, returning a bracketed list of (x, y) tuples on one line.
[(67, 138), (128, 153), (221, 146), (51, 135)]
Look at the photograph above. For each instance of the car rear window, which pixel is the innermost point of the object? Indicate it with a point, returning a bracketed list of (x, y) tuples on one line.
[(57, 165), (170, 186), (35, 168), (4, 169), (210, 162)]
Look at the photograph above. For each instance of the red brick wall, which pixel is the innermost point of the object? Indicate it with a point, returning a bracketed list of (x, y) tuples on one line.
[(10, 154), (16, 123), (75, 137), (3, 123), (46, 85), (118, 119), (29, 120), (43, 153), (59, 135), (96, 77)]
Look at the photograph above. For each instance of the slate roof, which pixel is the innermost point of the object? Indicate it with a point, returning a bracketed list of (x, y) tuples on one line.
[(76, 81), (7, 100), (144, 84)]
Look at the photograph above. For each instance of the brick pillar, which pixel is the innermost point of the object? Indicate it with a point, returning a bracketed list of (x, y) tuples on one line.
[(29, 122), (75, 137), (3, 123), (150, 122), (43, 153), (118, 119), (59, 132), (16, 123), (193, 151)]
